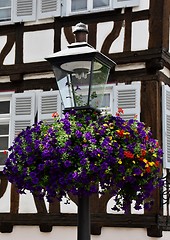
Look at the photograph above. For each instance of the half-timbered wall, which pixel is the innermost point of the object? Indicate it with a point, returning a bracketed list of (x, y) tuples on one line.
[(138, 40)]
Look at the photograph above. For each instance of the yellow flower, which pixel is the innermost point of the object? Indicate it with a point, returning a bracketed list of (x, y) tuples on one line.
[(154, 155), (120, 161), (151, 163), (134, 162), (111, 125), (126, 133), (144, 160)]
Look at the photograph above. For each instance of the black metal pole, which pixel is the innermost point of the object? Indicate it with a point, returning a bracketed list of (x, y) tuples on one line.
[(83, 232)]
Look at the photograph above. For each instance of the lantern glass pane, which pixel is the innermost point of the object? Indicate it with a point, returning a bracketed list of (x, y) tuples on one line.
[(80, 83), (99, 81), (65, 87)]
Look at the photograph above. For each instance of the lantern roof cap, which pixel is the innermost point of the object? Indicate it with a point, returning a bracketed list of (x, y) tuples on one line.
[(79, 49), (74, 49)]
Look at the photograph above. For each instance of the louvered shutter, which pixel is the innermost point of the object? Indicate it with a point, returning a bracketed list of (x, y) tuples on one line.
[(24, 10), (127, 97), (48, 103), (22, 112), (125, 3), (48, 8), (166, 125)]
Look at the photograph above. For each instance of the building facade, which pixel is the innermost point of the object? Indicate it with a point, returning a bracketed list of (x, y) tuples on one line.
[(133, 33)]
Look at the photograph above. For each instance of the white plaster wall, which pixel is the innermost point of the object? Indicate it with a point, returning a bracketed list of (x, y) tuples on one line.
[(38, 45), (103, 30), (140, 35), (5, 200), (144, 4), (10, 57), (64, 42)]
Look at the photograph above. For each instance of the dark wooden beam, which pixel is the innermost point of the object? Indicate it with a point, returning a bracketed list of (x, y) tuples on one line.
[(105, 16), (19, 33), (119, 58), (66, 219), (158, 22), (128, 29), (166, 24)]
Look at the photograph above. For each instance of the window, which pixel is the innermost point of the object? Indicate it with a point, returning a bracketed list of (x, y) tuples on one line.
[(28, 10), (77, 6), (19, 110), (84, 6), (32, 10), (5, 106), (5, 10)]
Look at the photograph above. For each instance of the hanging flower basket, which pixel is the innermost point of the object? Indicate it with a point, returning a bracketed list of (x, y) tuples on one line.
[(85, 153)]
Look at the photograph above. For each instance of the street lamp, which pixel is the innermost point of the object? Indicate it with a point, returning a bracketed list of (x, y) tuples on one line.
[(81, 73)]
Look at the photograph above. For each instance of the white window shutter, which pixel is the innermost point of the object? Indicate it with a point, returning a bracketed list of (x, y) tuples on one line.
[(48, 8), (24, 10), (22, 112), (48, 103), (166, 125), (127, 97), (125, 3)]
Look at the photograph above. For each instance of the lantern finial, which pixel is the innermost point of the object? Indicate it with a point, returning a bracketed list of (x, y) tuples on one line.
[(80, 32)]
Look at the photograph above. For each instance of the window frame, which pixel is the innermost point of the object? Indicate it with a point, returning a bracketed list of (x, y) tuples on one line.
[(125, 3), (6, 118), (90, 8), (64, 9), (35, 13), (113, 4), (16, 106), (5, 21)]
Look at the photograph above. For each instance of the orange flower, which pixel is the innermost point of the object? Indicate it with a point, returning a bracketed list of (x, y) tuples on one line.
[(148, 169), (128, 154), (120, 110), (143, 152), (146, 138), (157, 144), (55, 114), (157, 164), (120, 132)]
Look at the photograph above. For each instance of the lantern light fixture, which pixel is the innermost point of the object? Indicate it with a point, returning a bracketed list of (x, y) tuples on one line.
[(81, 73)]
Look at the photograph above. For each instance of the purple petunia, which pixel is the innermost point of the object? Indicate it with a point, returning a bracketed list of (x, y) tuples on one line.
[(85, 153)]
